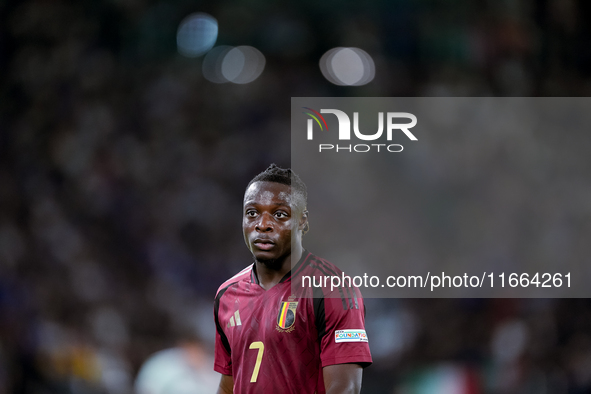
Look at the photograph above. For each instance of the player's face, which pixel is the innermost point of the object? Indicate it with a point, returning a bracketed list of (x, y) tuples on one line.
[(269, 220)]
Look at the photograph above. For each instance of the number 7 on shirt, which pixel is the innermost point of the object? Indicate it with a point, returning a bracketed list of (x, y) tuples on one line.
[(257, 365)]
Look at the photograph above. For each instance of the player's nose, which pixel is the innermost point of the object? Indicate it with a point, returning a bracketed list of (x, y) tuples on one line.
[(264, 222)]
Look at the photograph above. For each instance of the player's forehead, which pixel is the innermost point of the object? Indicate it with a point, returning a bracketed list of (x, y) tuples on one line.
[(268, 193)]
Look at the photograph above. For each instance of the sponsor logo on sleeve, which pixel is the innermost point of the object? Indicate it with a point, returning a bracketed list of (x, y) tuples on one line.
[(350, 336)]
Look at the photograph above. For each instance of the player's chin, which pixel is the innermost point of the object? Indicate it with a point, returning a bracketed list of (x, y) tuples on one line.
[(269, 259), (264, 255)]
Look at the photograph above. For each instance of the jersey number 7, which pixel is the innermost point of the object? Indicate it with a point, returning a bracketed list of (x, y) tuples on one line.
[(257, 365)]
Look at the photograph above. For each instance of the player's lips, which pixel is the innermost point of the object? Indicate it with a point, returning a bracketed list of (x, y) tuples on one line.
[(263, 243)]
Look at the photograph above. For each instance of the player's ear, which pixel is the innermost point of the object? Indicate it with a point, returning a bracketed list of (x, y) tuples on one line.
[(304, 225)]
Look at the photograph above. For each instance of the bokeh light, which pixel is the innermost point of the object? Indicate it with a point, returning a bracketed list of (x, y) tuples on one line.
[(347, 66), (212, 64), (247, 64), (240, 65), (233, 64), (196, 34)]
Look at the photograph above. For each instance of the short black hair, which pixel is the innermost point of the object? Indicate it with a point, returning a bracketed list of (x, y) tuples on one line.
[(285, 176)]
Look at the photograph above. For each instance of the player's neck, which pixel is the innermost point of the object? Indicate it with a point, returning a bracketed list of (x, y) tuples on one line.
[(269, 277)]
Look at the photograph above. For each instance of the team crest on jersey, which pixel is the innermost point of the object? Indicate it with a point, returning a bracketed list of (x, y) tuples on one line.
[(286, 317)]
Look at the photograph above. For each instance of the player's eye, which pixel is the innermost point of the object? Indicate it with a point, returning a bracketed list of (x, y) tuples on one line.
[(280, 214), (251, 213)]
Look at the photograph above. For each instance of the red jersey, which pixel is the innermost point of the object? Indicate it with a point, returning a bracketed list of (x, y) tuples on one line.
[(278, 340)]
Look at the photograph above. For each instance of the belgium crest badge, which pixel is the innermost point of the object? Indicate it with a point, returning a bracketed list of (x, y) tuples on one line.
[(286, 317)]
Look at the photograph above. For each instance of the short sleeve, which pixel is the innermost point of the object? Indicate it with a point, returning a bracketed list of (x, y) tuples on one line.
[(223, 359), (343, 338)]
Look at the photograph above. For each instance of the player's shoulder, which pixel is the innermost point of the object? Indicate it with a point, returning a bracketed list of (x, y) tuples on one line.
[(328, 281), (243, 275), (315, 265)]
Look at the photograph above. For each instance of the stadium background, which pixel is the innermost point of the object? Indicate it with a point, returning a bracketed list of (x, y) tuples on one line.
[(122, 171)]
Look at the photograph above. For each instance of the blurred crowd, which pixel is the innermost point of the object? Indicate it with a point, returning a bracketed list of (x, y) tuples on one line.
[(122, 172)]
